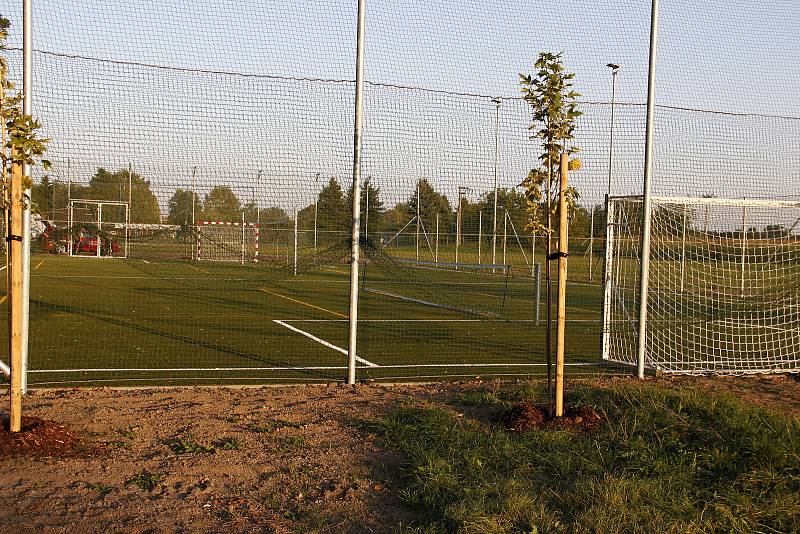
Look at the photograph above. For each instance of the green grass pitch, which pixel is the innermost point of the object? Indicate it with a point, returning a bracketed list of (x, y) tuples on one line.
[(134, 321)]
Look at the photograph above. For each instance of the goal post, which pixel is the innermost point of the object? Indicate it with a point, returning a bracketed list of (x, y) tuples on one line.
[(97, 228), (223, 241), (724, 285)]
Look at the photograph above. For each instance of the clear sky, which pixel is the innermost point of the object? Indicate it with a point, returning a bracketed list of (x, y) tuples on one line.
[(735, 56)]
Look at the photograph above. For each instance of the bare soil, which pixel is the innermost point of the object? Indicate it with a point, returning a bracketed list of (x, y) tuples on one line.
[(526, 416), (287, 459)]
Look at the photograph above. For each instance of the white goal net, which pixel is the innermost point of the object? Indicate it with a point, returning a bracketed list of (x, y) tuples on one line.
[(724, 285), (227, 242)]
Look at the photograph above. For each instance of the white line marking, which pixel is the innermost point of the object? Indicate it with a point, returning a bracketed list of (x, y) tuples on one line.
[(432, 320), (3, 267), (323, 342), (307, 368)]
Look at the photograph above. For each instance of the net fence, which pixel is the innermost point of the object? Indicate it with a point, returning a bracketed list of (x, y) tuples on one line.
[(242, 112)]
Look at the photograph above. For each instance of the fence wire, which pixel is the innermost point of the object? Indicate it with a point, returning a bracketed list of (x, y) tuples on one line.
[(187, 113)]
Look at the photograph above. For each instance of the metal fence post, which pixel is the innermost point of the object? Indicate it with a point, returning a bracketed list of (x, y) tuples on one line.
[(644, 279), (354, 245)]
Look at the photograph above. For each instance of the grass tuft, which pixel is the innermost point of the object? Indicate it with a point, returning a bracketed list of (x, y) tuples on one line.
[(664, 460), (145, 481), (189, 446)]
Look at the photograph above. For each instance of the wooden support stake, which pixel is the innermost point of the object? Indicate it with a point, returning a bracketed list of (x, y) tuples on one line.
[(15, 301), (562, 284)]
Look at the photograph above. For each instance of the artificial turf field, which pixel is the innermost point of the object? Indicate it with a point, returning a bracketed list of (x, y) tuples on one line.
[(110, 321)]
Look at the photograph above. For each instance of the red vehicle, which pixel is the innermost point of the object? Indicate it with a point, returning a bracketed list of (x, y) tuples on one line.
[(85, 243)]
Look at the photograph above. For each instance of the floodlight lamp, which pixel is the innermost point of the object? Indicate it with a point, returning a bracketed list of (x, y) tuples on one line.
[(613, 66)]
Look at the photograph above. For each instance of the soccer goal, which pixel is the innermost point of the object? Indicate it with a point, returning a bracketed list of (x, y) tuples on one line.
[(724, 285), (227, 242), (95, 228)]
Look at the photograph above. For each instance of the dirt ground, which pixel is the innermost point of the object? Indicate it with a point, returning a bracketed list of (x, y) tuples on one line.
[(287, 459)]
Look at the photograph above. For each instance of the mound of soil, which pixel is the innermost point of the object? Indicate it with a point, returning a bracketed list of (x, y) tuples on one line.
[(527, 416), (39, 438)]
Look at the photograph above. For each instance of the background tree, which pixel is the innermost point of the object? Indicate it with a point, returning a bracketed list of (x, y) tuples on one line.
[(105, 185), (49, 198), (221, 204), (180, 207), (431, 203), (333, 213), (273, 214), (507, 199), (395, 218), (370, 197)]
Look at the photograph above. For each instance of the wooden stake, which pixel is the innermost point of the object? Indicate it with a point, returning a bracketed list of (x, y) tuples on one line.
[(562, 284), (15, 301)]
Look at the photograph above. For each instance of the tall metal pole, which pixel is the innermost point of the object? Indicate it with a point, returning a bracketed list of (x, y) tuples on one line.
[(419, 201), (194, 201), (130, 184), (744, 245), (366, 210), (243, 239), (295, 241), (354, 253), (505, 234), (27, 109), (480, 233), (128, 209), (436, 254), (614, 70), (69, 182), (497, 102), (591, 244), (258, 197), (316, 203), (644, 279), (683, 247)]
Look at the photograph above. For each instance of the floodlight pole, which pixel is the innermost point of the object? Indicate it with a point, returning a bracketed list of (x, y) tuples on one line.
[(497, 102), (644, 279), (614, 70), (354, 236)]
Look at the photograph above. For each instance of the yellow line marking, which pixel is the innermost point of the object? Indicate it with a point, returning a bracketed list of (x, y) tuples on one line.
[(198, 269), (38, 265), (303, 303)]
